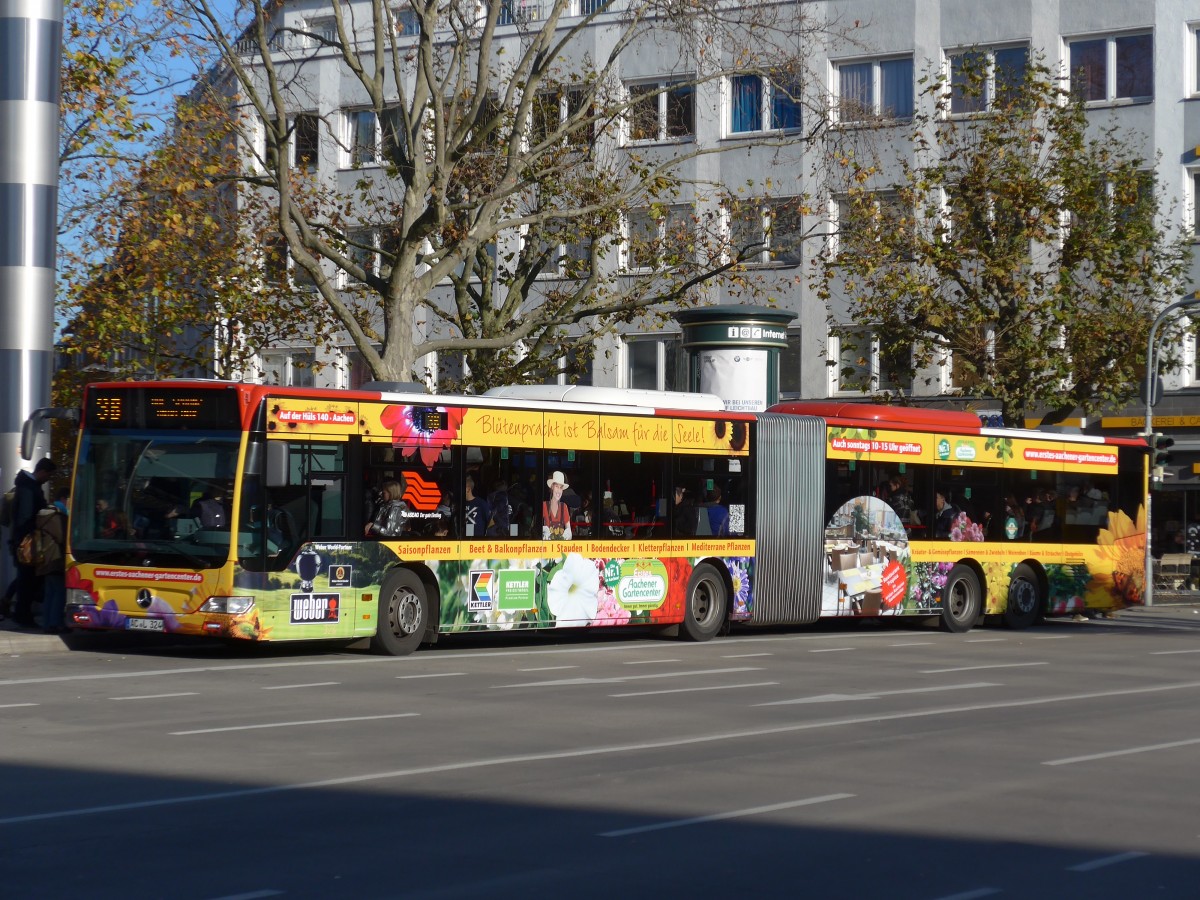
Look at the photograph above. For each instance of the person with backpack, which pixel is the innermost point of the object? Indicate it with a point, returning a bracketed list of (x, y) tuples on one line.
[(28, 500), (50, 557)]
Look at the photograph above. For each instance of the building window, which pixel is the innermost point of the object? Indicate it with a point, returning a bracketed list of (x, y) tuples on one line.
[(649, 232), (981, 78), (758, 103), (863, 365), (361, 248), (550, 112), (321, 32), (654, 363), (362, 138), (407, 22), (875, 88), (1195, 73), (288, 367), (771, 227), (590, 7), (306, 140), (661, 111), (513, 12), (865, 215), (1194, 202), (575, 369), (1118, 67)]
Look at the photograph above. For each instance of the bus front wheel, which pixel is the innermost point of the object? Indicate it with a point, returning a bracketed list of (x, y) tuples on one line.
[(707, 600), (961, 600), (1024, 607), (404, 614)]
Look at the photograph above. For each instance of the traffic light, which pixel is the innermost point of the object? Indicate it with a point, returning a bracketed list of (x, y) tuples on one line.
[(1160, 446)]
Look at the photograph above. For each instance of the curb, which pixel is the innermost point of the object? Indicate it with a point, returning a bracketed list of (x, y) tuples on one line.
[(15, 641)]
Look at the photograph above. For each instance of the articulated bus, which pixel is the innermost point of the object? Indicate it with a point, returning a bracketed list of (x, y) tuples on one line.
[(245, 511)]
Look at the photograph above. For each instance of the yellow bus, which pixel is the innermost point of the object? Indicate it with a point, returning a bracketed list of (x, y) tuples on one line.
[(389, 517)]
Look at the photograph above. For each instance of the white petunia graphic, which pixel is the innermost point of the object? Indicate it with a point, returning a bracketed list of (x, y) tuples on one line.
[(571, 594)]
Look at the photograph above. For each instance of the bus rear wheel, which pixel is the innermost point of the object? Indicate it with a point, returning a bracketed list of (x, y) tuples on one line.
[(1024, 606), (707, 601), (961, 600), (404, 614)]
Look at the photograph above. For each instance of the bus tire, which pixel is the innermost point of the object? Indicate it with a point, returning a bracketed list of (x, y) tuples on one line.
[(706, 604), (404, 614), (1024, 607), (961, 600)]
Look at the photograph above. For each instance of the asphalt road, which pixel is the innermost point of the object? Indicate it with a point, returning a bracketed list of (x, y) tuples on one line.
[(851, 761)]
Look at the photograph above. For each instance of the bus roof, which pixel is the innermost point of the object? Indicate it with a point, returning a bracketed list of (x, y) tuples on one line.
[(898, 416), (577, 393)]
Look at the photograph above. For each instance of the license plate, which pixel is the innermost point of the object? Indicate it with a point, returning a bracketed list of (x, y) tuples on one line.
[(144, 624)]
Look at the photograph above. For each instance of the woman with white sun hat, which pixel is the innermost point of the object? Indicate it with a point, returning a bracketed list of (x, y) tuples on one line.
[(556, 515)]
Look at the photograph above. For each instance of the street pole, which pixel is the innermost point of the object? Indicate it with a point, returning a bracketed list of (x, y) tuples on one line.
[(1148, 426)]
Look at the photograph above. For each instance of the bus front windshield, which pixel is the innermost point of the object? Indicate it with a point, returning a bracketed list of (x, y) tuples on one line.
[(154, 498)]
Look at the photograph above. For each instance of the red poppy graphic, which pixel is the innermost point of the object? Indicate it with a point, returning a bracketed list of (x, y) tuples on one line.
[(409, 435)]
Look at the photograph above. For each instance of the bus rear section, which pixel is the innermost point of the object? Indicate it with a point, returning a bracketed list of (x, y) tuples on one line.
[(926, 513)]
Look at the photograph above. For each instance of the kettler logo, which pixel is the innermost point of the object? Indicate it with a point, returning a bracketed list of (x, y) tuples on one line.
[(420, 494)]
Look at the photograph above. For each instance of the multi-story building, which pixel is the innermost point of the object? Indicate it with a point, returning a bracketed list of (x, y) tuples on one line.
[(1143, 72)]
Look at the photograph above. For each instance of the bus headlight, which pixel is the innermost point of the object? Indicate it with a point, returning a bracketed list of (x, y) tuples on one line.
[(80, 597), (230, 606)]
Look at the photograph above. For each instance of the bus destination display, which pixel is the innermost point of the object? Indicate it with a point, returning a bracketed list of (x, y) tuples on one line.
[(158, 408)]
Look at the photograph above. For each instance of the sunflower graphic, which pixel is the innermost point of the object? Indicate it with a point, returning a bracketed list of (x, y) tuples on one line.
[(1123, 548)]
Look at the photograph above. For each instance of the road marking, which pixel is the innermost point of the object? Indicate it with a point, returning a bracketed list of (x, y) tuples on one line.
[(715, 687), (972, 895), (1050, 637), (15, 705), (1150, 748), (649, 662), (913, 644), (526, 759), (832, 649), (252, 895), (832, 698), (617, 679), (156, 696), (1171, 652), (744, 655), (974, 668), (1106, 861), (288, 687), (985, 640), (547, 668), (432, 675), (717, 817), (293, 724)]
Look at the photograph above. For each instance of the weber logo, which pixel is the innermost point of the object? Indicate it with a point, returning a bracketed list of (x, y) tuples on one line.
[(315, 608)]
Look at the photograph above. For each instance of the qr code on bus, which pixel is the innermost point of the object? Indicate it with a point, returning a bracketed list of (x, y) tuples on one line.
[(737, 518)]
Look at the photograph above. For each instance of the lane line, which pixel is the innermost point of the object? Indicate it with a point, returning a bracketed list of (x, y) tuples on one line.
[(1171, 652), (972, 895), (649, 662), (292, 724), (252, 895), (584, 752), (288, 687), (875, 695), (744, 655), (985, 640), (1106, 861), (832, 649), (547, 668), (1149, 748), (715, 687), (424, 657), (617, 679), (157, 696), (432, 675), (718, 817), (15, 705), (1051, 637), (913, 644), (975, 668)]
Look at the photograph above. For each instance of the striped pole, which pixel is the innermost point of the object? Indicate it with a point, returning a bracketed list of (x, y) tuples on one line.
[(30, 60)]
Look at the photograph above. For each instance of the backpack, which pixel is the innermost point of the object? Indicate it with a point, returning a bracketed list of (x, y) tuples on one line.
[(7, 503)]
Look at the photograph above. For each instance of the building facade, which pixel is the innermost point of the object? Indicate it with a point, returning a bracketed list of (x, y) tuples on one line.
[(1142, 65)]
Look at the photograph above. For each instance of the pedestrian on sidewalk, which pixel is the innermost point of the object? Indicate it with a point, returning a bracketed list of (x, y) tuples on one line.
[(28, 501), (51, 566)]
